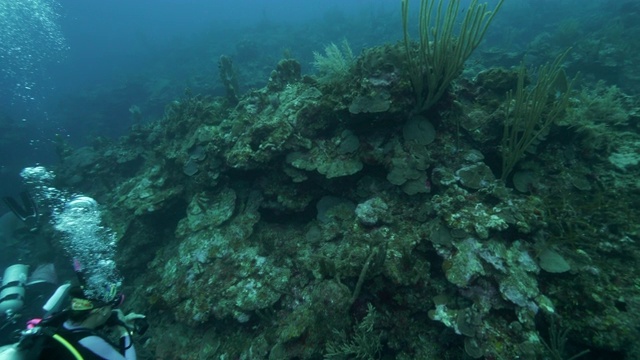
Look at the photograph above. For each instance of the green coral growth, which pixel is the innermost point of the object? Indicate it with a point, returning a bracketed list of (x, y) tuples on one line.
[(365, 342), (336, 63)]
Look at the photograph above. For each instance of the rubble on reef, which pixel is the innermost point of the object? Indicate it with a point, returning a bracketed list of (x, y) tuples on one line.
[(326, 219)]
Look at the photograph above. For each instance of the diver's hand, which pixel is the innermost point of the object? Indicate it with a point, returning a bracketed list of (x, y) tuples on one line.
[(129, 319)]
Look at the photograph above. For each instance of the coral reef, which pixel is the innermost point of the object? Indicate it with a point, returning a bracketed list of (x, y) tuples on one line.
[(321, 218)]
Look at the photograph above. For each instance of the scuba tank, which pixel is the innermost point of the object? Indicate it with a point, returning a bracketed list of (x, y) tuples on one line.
[(12, 290)]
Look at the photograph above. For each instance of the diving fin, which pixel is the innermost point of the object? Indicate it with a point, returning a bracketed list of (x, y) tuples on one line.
[(28, 212)]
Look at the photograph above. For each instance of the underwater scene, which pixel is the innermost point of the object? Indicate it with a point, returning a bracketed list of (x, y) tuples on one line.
[(356, 179)]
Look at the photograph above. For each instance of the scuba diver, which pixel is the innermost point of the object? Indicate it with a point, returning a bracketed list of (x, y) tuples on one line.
[(80, 321), (85, 317), (81, 331)]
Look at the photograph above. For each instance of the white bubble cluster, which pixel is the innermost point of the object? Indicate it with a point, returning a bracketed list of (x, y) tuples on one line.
[(40, 181), (79, 220), (90, 244), (37, 175)]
